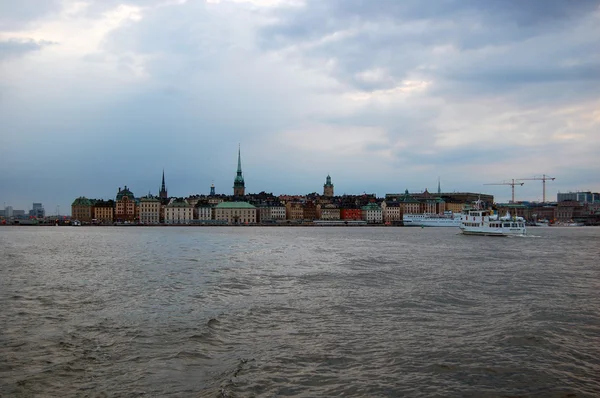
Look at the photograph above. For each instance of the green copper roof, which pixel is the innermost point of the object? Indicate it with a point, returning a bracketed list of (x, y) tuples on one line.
[(125, 192), (371, 206), (82, 201), (234, 205)]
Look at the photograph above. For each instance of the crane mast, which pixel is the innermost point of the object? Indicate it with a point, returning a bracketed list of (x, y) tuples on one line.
[(512, 183), (543, 178)]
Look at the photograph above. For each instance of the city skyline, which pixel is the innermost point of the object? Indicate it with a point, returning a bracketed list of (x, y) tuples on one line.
[(383, 96)]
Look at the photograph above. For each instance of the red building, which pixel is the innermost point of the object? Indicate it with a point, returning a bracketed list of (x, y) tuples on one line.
[(350, 214)]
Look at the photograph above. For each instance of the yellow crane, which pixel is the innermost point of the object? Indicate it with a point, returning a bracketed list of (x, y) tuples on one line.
[(512, 184), (543, 178)]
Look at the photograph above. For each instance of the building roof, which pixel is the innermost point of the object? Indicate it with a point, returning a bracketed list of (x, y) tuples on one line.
[(371, 206), (179, 203), (82, 201), (234, 205), (125, 192)]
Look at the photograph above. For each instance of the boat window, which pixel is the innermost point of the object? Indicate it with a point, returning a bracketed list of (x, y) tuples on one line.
[(506, 225)]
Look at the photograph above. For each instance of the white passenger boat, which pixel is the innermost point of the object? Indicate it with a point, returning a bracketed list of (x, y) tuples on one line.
[(483, 222), (431, 220)]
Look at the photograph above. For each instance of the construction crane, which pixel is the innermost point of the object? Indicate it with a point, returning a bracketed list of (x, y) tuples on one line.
[(512, 184), (543, 178)]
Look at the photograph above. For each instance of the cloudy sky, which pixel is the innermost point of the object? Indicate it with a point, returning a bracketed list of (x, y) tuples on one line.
[(384, 95)]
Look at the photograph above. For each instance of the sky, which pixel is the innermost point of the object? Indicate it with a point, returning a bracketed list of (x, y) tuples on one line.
[(382, 95)]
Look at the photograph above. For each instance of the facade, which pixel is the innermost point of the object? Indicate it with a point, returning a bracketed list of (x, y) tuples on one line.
[(294, 211), (328, 187), (391, 211), (372, 213), (104, 211), (81, 209), (125, 206), (328, 212), (235, 213), (203, 211), (178, 212), (149, 210), (408, 204), (350, 213), (239, 187), (310, 211), (271, 213)]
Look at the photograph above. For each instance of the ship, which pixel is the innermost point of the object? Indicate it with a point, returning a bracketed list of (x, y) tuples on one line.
[(448, 219), (483, 222)]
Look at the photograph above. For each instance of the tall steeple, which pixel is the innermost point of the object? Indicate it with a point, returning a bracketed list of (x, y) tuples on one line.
[(212, 189), (439, 186), (163, 188), (239, 188)]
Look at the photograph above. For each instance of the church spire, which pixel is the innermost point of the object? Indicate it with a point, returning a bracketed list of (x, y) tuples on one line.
[(439, 186), (238, 183), (163, 188)]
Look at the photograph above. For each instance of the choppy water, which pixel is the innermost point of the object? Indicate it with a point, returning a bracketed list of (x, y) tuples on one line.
[(237, 312)]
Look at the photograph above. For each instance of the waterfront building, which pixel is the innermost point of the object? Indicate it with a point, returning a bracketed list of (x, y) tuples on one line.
[(81, 209), (162, 193), (408, 204), (8, 212), (239, 187), (271, 213), (104, 211), (125, 206), (149, 210), (310, 211), (328, 211), (235, 213), (372, 213), (350, 213), (328, 187), (294, 211), (203, 210), (391, 211), (178, 211)]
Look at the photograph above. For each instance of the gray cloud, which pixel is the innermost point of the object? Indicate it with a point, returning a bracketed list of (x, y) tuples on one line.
[(16, 14), (14, 47)]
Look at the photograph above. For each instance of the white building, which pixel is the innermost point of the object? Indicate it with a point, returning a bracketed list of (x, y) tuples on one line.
[(179, 212), (149, 210), (372, 213)]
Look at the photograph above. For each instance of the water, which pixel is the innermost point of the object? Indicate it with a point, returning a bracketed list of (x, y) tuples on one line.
[(238, 312)]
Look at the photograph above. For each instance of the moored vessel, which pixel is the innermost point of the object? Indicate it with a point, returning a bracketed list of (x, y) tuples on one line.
[(447, 219)]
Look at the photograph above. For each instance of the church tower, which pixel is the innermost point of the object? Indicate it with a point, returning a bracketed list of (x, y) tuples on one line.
[(239, 188), (328, 187), (162, 194), (212, 189)]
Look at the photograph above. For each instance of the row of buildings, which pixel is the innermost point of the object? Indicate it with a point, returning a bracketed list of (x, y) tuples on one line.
[(265, 208)]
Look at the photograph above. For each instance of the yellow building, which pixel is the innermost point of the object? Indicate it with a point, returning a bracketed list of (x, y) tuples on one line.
[(104, 211)]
